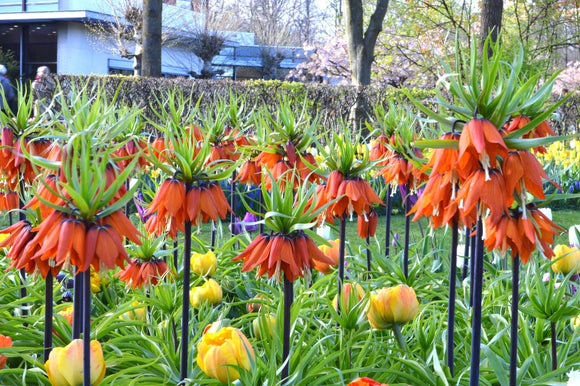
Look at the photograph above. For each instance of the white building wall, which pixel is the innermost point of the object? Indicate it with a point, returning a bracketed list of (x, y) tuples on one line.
[(76, 54)]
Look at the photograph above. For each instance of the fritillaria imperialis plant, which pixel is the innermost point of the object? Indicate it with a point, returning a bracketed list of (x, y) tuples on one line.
[(494, 169), (345, 191), (85, 225), (400, 160), (192, 194), (147, 266), (285, 139), (287, 251)]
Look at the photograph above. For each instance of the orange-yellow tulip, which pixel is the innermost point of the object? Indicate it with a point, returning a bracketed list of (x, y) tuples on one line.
[(332, 252), (392, 305), (221, 354), (65, 364)]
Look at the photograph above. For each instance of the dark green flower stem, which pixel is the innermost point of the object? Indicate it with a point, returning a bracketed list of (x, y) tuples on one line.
[(514, 321), (554, 351), (466, 253), (213, 235), (86, 327), (451, 304), (233, 202), (288, 299), (77, 305), (476, 316), (388, 221), (185, 304), (48, 302), (407, 231), (368, 258), (341, 255)]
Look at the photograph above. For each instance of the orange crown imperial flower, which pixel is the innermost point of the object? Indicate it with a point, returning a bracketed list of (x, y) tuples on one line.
[(523, 173), (351, 195), (276, 254), (487, 186), (139, 273), (367, 224), (480, 141), (542, 130)]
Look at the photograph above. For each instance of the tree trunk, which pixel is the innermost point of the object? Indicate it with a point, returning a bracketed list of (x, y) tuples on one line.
[(152, 10), (361, 47), (361, 44), (491, 15)]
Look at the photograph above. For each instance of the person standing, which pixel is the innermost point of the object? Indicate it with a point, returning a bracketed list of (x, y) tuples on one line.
[(8, 91), (42, 89)]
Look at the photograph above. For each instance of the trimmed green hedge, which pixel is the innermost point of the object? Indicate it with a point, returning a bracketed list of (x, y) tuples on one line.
[(330, 103)]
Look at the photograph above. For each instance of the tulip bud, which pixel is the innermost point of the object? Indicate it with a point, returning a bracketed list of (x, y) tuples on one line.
[(575, 322), (209, 292), (67, 313), (265, 323), (255, 307), (204, 264), (332, 252), (65, 364), (566, 260), (221, 354), (392, 305), (5, 341), (136, 314), (351, 294)]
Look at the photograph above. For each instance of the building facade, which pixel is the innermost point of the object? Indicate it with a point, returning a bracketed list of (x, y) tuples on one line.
[(54, 33)]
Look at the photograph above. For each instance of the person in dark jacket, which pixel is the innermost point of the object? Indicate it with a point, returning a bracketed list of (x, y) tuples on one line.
[(7, 89)]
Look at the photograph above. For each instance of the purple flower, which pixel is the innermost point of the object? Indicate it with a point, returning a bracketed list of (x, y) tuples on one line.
[(141, 207), (396, 240), (237, 227), (250, 222), (413, 197)]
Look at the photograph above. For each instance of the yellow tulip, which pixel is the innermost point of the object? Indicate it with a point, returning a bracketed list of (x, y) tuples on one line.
[(136, 314), (575, 322), (65, 364), (98, 282), (392, 305), (220, 354), (265, 323), (209, 292), (566, 260), (204, 264)]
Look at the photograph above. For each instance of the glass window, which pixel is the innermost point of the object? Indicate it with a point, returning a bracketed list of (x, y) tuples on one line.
[(39, 42)]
